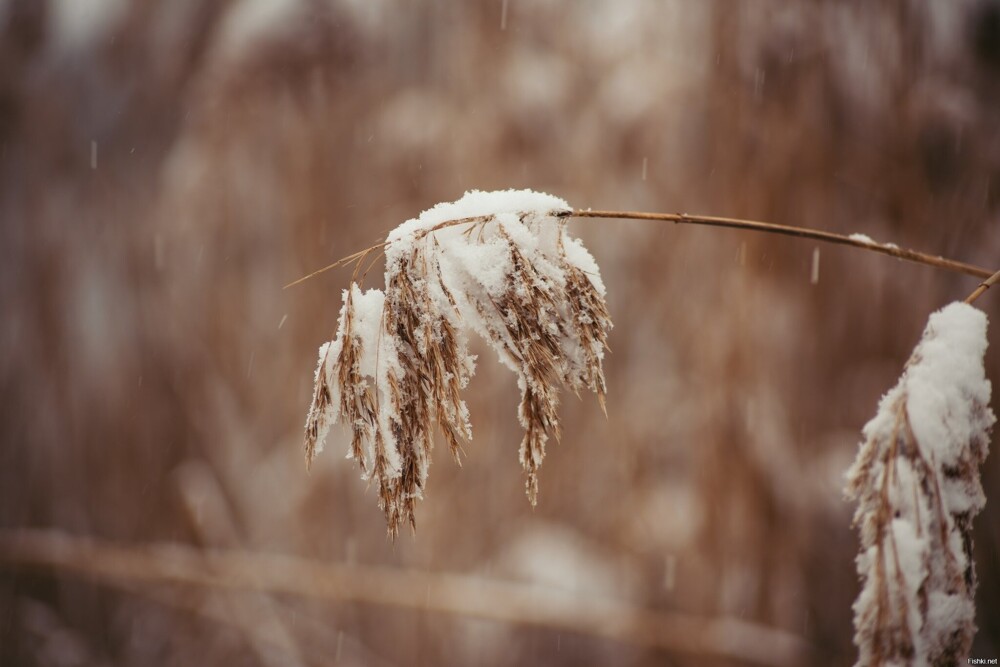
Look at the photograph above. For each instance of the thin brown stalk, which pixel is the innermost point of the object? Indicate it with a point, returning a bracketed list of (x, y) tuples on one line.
[(153, 565), (361, 254), (800, 232), (733, 223), (354, 257), (983, 286)]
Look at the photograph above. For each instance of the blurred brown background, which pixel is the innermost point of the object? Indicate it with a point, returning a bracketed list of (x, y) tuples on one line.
[(166, 167)]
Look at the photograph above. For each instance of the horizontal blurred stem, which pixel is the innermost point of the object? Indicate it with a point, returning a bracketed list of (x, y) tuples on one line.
[(463, 595), (787, 230)]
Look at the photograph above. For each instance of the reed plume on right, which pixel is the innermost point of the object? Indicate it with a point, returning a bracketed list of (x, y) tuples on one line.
[(916, 480)]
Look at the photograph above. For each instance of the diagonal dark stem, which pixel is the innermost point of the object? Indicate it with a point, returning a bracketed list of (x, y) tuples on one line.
[(983, 286)]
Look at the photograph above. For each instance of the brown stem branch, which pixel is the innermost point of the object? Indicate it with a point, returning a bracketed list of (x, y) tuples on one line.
[(714, 221), (983, 286), (800, 232)]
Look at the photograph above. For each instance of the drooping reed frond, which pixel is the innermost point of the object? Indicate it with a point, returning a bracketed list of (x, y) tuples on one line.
[(916, 480), (500, 264)]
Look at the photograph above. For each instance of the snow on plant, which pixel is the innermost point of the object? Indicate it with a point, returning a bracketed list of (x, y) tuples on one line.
[(916, 479), (500, 264)]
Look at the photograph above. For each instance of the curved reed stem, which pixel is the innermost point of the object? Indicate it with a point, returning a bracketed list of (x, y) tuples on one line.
[(801, 232), (734, 223)]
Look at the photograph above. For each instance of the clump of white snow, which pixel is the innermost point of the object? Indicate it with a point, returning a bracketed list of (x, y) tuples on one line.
[(916, 479), (477, 203)]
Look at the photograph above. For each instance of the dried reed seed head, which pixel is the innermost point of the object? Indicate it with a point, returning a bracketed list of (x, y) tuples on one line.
[(357, 402), (448, 375), (508, 276), (322, 412), (432, 371), (534, 332), (916, 480), (591, 322)]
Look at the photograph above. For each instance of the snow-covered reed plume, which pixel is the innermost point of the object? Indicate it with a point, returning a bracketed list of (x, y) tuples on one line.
[(916, 479), (500, 264)]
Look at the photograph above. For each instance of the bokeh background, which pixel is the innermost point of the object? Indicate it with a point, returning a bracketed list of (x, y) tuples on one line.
[(165, 167)]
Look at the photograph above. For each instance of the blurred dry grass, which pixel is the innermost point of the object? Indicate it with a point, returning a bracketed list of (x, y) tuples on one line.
[(164, 173)]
